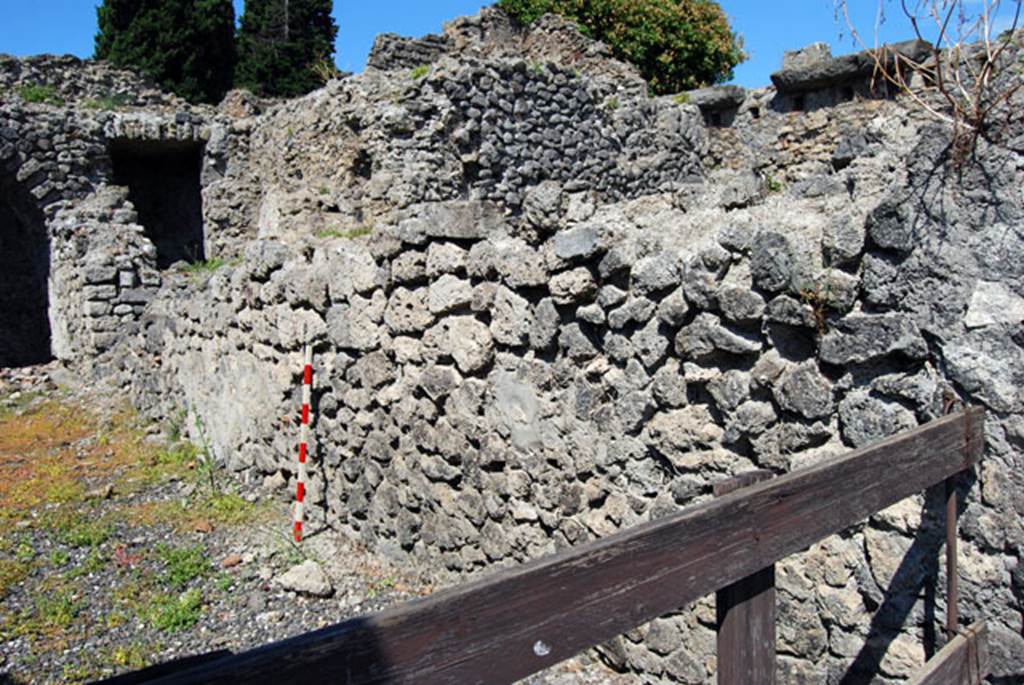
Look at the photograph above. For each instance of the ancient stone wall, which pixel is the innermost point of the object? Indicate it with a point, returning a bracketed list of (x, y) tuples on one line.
[(97, 259), (366, 148), (490, 389), (546, 307)]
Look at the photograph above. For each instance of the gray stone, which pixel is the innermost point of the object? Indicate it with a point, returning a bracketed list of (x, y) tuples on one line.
[(442, 258), (439, 381), (716, 98), (673, 309), (510, 318), (351, 270), (730, 389), (573, 286), (772, 263), (467, 340), (993, 303), (635, 310), (743, 190), (458, 219), (707, 336), (818, 70), (447, 293), (739, 304), (545, 326), (543, 203), (751, 419), (802, 389), (859, 338), (865, 419), (575, 343), (890, 226), (651, 344), (308, 579), (578, 242), (669, 385), (407, 311), (518, 264), (355, 325), (654, 274)]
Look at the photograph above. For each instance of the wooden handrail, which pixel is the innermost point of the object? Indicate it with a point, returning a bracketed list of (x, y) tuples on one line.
[(521, 620)]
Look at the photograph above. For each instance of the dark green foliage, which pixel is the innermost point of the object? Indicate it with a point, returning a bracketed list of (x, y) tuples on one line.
[(187, 46), (281, 43), (676, 44)]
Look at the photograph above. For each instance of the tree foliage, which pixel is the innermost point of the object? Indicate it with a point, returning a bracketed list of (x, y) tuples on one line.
[(676, 44), (187, 46), (282, 45)]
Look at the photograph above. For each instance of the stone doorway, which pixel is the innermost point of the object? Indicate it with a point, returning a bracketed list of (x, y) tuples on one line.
[(24, 276), (163, 180)]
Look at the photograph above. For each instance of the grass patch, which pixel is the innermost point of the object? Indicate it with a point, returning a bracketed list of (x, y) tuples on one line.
[(57, 611), (419, 72), (12, 572), (94, 562), (110, 102), (173, 614), (76, 530), (205, 267), (350, 234), (681, 99), (183, 564), (37, 93)]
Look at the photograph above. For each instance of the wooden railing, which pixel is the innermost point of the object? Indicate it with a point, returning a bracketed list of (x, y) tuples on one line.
[(523, 620)]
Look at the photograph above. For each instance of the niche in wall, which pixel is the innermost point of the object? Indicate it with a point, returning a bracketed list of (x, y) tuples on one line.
[(163, 183)]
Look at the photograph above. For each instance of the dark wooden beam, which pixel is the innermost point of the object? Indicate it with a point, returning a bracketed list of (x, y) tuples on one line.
[(963, 661), (745, 612), (516, 622)]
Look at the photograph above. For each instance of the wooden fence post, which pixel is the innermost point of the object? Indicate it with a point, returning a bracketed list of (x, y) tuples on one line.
[(746, 614)]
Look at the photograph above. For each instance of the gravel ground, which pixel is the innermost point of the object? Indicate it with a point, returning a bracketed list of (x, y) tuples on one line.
[(117, 553)]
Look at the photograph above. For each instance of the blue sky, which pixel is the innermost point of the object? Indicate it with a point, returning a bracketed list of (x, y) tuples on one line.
[(768, 27)]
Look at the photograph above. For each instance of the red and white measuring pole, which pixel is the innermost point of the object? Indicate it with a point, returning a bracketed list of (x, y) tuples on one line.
[(300, 486)]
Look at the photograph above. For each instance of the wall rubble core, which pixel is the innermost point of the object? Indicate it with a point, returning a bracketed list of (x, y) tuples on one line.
[(546, 307)]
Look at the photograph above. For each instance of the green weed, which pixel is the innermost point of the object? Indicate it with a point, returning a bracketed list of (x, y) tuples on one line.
[(174, 614), (205, 267), (183, 564), (12, 572), (419, 72), (39, 94), (57, 610), (681, 99), (109, 102), (77, 531), (350, 234)]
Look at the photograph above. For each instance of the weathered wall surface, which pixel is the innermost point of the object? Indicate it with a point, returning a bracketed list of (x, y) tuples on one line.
[(101, 267), (490, 389), (546, 307)]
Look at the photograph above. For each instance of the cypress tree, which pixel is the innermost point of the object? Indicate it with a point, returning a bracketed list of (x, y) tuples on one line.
[(279, 44), (187, 46)]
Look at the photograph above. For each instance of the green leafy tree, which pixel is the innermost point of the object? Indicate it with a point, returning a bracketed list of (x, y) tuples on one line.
[(187, 46), (676, 44), (283, 45)]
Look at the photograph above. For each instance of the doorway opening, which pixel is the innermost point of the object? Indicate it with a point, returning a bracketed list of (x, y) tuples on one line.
[(164, 185), (24, 278)]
